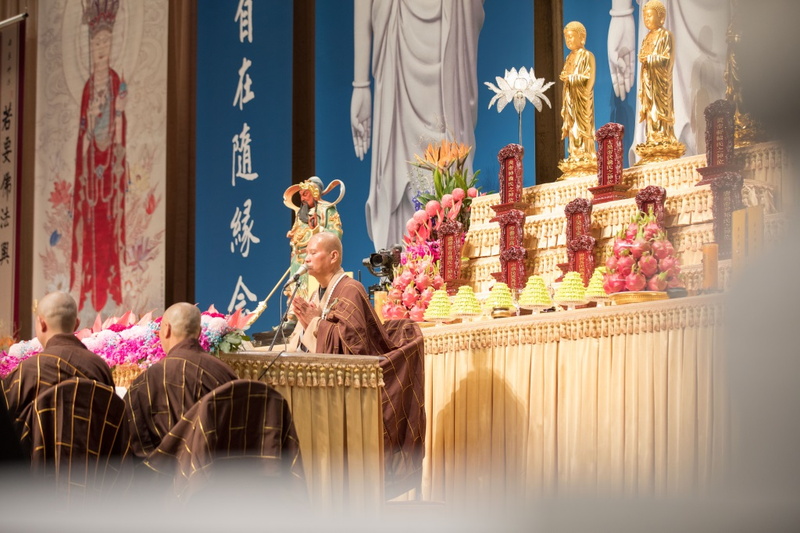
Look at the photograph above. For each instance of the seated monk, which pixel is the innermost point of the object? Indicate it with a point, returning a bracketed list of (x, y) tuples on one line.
[(340, 319), (63, 356), (160, 395)]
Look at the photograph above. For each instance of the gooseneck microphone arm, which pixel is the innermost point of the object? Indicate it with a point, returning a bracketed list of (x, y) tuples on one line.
[(280, 328)]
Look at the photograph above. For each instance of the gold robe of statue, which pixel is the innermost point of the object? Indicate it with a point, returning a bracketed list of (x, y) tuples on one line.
[(577, 111), (655, 89)]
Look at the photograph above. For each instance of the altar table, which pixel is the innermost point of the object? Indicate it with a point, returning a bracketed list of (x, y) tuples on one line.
[(626, 399), (336, 407)]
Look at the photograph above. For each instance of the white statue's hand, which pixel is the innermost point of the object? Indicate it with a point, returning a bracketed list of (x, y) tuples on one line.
[(361, 119), (621, 53)]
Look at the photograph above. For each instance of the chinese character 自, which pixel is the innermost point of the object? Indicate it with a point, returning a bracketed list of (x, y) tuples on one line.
[(244, 16)]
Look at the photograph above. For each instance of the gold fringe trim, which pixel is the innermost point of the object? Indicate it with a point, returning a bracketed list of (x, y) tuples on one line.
[(697, 312)]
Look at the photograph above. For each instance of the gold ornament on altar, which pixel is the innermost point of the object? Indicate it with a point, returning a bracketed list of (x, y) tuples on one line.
[(655, 90), (747, 131), (577, 110)]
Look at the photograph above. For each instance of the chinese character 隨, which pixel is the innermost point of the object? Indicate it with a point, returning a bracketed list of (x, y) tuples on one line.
[(242, 165)]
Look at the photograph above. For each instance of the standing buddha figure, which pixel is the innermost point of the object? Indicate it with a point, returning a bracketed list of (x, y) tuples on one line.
[(577, 110), (655, 89)]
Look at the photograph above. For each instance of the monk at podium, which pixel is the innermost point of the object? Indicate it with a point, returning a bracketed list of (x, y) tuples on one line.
[(339, 319)]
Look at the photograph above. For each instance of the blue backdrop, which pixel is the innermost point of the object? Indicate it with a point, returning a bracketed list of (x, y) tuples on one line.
[(224, 275), (506, 41)]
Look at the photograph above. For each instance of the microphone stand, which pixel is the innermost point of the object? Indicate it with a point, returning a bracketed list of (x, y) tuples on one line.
[(280, 328)]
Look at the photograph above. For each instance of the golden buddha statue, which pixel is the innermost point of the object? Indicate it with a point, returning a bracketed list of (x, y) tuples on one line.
[(577, 110), (655, 89)]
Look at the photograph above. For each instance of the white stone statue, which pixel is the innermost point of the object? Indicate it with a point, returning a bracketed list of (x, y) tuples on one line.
[(424, 63), (698, 28)]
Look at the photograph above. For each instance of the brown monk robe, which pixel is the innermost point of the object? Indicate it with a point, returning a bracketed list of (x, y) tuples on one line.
[(63, 357), (160, 395), (343, 321), (240, 432)]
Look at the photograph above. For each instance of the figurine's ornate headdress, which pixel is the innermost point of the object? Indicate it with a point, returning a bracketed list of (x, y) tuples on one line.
[(313, 184), (100, 15), (317, 188)]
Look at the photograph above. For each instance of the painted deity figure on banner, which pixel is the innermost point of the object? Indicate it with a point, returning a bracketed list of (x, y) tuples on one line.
[(424, 63), (312, 216), (101, 173), (577, 111)]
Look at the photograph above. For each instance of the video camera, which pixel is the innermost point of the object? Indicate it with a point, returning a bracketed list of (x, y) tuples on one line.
[(382, 262)]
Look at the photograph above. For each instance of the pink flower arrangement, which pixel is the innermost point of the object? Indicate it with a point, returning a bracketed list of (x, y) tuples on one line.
[(643, 259), (128, 340)]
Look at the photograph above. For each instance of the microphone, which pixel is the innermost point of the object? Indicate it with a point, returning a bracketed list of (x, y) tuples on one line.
[(300, 271)]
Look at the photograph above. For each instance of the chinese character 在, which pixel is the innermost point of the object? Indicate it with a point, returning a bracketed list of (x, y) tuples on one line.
[(244, 16), (242, 165), (241, 295), (242, 230), (243, 92)]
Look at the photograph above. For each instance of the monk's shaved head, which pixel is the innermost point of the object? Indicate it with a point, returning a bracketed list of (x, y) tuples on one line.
[(59, 311), (184, 319), (329, 242)]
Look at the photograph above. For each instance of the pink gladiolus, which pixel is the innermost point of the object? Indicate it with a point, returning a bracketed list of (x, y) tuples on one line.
[(447, 201), (472, 192), (458, 194), (455, 210)]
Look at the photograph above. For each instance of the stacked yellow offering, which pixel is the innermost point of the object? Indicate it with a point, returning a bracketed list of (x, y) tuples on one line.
[(500, 302), (465, 304), (595, 292), (439, 309), (571, 292), (535, 294)]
